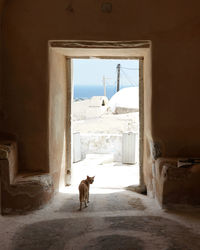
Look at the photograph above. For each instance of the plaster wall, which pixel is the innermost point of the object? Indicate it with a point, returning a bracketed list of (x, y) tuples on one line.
[(147, 162), (101, 144), (173, 28), (105, 144), (1, 16), (57, 116)]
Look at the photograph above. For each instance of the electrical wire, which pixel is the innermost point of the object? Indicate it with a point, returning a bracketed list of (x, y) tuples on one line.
[(134, 84), (129, 68)]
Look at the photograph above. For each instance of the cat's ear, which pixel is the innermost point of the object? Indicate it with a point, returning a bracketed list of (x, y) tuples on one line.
[(93, 177), (88, 177)]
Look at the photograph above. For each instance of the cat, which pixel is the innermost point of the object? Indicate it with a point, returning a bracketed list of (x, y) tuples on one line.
[(84, 190)]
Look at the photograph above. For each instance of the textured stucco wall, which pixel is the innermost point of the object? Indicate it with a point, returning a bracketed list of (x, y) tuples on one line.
[(57, 116), (101, 144), (105, 144), (173, 28), (1, 16)]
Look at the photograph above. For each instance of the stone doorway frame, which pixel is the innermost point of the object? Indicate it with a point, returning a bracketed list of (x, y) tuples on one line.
[(67, 50)]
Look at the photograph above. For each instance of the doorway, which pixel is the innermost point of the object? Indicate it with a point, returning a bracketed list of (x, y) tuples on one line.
[(105, 118), (68, 50)]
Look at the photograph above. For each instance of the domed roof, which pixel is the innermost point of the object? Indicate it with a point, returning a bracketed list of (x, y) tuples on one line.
[(125, 98)]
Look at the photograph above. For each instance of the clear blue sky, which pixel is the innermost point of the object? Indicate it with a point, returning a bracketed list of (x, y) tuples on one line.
[(91, 71)]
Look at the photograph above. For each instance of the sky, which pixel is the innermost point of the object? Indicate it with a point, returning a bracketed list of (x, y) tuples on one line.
[(91, 72)]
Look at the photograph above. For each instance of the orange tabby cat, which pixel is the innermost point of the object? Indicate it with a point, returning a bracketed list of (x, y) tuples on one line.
[(84, 190)]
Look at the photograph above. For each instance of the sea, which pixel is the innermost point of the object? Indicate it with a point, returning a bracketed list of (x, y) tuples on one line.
[(82, 92)]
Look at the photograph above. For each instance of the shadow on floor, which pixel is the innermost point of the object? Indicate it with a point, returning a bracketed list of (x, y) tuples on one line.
[(96, 233)]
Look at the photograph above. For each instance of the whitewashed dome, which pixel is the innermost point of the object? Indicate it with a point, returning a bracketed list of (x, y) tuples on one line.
[(125, 98)]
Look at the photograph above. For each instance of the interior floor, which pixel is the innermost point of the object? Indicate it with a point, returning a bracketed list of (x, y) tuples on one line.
[(114, 219)]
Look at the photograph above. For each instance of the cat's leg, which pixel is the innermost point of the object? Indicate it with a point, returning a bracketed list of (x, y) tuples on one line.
[(86, 200), (88, 197), (80, 205)]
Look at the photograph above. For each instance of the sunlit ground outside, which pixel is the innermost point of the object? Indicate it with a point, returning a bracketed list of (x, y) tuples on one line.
[(109, 176)]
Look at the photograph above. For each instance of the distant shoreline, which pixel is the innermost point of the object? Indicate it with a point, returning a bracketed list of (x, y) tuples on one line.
[(84, 92)]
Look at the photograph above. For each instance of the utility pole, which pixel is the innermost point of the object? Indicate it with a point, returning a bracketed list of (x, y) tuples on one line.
[(104, 85), (118, 76)]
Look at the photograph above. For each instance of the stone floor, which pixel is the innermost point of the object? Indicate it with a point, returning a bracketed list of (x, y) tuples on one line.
[(115, 219)]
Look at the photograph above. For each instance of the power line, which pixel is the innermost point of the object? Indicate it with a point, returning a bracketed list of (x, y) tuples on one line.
[(130, 68), (134, 84)]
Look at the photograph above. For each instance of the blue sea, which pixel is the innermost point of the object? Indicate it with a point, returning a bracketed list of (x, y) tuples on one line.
[(86, 92)]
